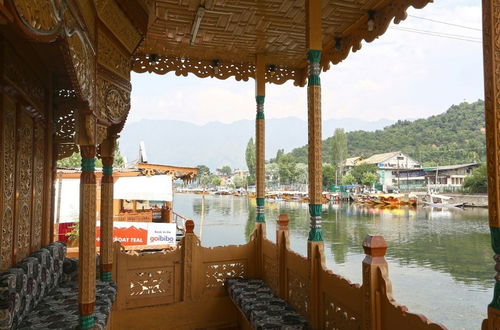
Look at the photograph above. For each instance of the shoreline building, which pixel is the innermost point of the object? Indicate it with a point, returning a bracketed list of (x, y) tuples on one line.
[(389, 167)]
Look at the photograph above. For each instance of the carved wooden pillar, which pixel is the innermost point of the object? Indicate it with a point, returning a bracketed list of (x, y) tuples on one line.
[(87, 251), (491, 35), (106, 247), (260, 92), (314, 37), (315, 242)]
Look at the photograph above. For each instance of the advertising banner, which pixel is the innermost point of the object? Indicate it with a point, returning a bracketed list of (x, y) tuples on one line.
[(141, 233)]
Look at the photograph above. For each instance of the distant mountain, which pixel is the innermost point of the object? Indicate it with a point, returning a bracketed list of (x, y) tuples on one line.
[(453, 137), (217, 144)]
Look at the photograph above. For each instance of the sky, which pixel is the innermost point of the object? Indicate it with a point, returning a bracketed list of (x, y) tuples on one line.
[(400, 75)]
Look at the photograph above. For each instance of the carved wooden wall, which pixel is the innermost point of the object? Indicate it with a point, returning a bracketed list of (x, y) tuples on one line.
[(24, 186)]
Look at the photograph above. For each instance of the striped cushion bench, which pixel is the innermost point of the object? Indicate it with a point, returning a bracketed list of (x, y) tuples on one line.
[(261, 307)]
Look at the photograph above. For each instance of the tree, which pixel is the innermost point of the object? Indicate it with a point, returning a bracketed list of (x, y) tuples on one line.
[(226, 171), (240, 182), (272, 173), (348, 179), (328, 175), (339, 151), (203, 169), (279, 153), (250, 158), (478, 181), (215, 180), (302, 172), (204, 179), (359, 170), (75, 160), (118, 161), (369, 179), (287, 169)]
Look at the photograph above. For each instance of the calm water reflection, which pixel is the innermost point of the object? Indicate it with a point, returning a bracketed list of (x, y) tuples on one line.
[(440, 261)]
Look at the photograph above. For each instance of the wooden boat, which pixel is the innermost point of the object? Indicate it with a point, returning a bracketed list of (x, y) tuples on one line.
[(440, 201)]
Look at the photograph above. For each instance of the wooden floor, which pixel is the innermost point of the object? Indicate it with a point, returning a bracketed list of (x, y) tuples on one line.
[(218, 313)]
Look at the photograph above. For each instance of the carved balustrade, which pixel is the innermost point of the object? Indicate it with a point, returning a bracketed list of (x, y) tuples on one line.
[(193, 275)]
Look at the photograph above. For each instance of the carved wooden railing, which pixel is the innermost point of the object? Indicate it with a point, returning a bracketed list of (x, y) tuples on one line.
[(154, 278), (145, 216), (195, 274), (146, 279)]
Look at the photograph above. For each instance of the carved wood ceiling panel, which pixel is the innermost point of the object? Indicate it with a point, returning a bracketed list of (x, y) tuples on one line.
[(236, 30)]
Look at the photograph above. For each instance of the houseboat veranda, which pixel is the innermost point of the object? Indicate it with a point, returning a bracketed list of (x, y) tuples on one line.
[(65, 77)]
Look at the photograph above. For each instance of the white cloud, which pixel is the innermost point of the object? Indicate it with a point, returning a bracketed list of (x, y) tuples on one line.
[(400, 75)]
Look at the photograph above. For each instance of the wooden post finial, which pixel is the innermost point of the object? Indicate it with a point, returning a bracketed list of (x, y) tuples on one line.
[(283, 220), (375, 246), (189, 227)]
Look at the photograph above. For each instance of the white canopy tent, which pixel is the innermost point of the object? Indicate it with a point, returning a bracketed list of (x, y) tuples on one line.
[(150, 188)]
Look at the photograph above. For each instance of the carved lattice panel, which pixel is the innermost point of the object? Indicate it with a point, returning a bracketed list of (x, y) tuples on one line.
[(298, 292), (38, 185), (217, 272), (337, 317), (271, 273), (155, 282), (24, 179), (7, 165)]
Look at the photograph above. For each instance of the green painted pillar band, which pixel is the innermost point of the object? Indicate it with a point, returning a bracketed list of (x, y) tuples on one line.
[(315, 234), (260, 209), (495, 244), (495, 239), (314, 57), (87, 321), (107, 170), (88, 164), (260, 106), (106, 276), (315, 210)]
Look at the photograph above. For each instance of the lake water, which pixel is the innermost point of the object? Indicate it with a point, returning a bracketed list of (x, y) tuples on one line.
[(440, 261)]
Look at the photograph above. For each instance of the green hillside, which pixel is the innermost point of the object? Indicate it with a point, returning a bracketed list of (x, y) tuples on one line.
[(456, 136)]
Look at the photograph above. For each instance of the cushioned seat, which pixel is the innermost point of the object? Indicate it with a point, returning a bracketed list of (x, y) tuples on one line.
[(41, 292), (59, 310), (261, 307)]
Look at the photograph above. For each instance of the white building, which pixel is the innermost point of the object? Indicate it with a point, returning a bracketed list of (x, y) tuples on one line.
[(389, 165)]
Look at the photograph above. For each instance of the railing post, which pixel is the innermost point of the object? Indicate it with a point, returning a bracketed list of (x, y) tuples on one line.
[(282, 243), (120, 275), (375, 248), (190, 284)]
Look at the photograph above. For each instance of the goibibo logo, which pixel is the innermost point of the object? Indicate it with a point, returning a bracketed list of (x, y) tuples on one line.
[(161, 238)]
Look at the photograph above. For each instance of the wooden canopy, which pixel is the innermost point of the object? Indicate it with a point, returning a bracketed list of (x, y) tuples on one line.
[(220, 38), (91, 47)]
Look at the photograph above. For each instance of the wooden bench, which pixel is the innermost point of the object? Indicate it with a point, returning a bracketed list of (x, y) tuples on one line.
[(41, 292), (261, 308)]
